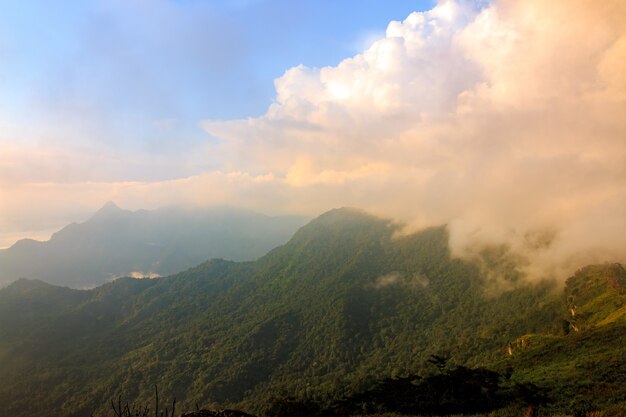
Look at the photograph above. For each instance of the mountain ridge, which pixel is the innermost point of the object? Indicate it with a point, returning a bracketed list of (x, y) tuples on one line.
[(342, 304), (116, 242)]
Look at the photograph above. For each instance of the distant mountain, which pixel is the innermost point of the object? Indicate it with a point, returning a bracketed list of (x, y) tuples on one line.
[(341, 306), (116, 242)]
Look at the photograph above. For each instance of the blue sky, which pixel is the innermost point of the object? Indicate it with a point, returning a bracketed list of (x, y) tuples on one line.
[(136, 73), (502, 118)]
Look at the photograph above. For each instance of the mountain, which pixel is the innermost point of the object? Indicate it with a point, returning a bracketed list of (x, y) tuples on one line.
[(116, 242), (342, 305), (584, 365)]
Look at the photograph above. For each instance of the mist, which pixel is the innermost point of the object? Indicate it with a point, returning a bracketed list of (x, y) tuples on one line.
[(504, 120), (508, 123)]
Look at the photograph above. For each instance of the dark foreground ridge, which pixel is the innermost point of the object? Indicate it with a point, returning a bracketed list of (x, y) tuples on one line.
[(459, 390), (217, 413)]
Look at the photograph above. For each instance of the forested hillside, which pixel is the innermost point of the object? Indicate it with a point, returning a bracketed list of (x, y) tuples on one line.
[(341, 306)]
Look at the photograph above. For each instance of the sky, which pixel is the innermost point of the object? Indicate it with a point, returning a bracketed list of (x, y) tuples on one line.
[(504, 119), (108, 92)]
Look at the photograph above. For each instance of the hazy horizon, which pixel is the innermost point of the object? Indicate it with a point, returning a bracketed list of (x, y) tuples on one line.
[(505, 120), (46, 235)]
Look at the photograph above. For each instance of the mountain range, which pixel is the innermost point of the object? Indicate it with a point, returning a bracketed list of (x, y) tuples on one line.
[(344, 304), (116, 242)]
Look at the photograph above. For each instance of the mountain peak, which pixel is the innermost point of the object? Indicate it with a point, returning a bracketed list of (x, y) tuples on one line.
[(110, 206), (347, 217), (24, 284), (109, 209), (342, 224)]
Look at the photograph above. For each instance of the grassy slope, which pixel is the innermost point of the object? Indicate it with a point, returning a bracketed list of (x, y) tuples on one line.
[(583, 369)]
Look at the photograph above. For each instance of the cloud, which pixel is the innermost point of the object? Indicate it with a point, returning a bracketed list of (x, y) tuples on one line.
[(504, 120), (401, 280), (143, 275)]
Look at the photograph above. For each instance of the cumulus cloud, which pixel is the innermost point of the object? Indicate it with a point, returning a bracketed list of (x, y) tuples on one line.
[(505, 120)]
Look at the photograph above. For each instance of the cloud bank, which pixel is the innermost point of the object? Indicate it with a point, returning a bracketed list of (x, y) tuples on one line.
[(508, 122), (505, 120)]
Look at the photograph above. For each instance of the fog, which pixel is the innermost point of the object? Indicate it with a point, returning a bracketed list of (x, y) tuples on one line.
[(504, 120)]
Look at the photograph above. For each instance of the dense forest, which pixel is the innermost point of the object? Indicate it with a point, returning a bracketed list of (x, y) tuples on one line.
[(332, 322)]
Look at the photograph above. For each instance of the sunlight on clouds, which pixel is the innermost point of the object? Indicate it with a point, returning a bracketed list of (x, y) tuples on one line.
[(501, 122), (445, 11), (505, 122), (303, 173)]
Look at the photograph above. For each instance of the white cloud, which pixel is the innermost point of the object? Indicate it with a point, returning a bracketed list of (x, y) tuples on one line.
[(143, 275), (506, 122), (401, 280), (501, 122)]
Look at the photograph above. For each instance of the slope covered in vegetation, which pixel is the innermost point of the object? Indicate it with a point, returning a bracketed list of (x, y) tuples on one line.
[(583, 367), (342, 305)]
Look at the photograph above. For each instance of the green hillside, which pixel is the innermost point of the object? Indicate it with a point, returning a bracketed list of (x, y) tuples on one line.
[(584, 367), (342, 305)]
